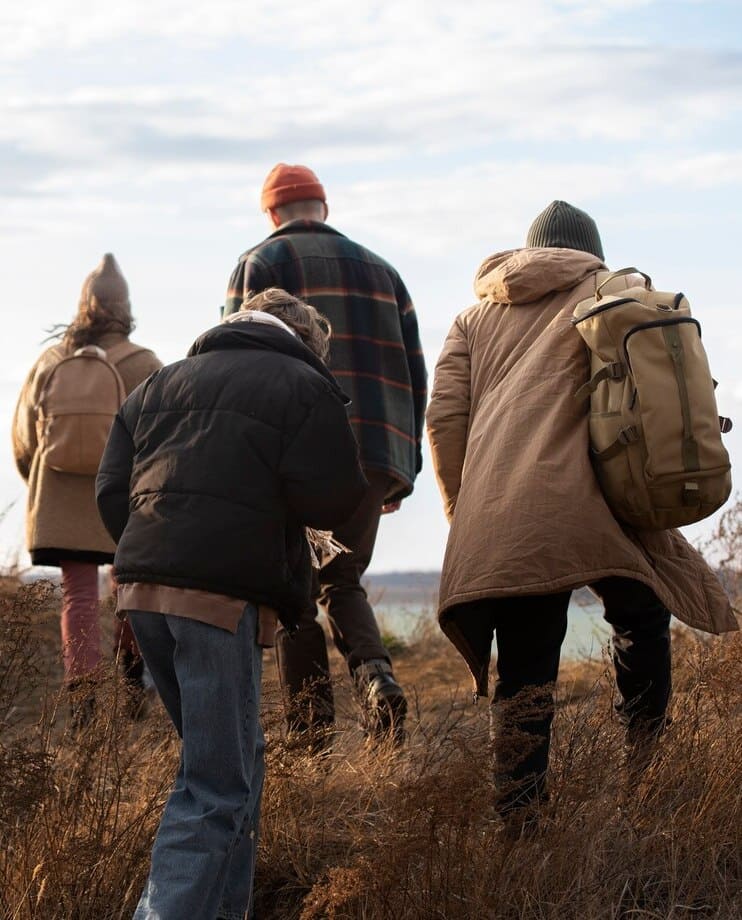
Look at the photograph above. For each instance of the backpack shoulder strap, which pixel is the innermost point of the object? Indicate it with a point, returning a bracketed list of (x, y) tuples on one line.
[(53, 357), (122, 350)]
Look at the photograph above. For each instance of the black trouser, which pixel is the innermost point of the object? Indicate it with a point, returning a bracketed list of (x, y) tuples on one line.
[(303, 667), (641, 653), (529, 632)]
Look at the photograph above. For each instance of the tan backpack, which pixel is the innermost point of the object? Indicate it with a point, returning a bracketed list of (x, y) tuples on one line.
[(655, 431), (77, 406)]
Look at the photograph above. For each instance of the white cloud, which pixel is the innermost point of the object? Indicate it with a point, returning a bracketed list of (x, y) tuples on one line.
[(705, 171), (404, 109), (438, 129), (74, 24)]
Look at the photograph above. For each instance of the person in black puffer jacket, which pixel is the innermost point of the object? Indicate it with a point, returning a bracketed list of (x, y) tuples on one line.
[(212, 471)]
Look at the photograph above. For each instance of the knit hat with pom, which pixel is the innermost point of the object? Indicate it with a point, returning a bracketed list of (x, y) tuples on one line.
[(106, 284)]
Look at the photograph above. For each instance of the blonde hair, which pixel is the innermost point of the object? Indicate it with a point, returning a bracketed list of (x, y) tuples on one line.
[(312, 327)]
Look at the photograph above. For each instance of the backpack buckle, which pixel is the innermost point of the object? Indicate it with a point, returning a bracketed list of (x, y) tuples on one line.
[(628, 435), (625, 437), (691, 493), (613, 371)]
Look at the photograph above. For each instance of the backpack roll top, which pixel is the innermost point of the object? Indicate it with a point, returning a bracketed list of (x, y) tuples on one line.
[(78, 404), (655, 431)]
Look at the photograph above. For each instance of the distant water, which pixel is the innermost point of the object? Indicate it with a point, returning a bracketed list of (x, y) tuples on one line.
[(587, 631), (399, 610)]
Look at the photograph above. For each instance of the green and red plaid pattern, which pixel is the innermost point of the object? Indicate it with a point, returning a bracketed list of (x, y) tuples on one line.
[(375, 354)]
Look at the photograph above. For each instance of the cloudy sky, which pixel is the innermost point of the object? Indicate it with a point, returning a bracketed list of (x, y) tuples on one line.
[(439, 130)]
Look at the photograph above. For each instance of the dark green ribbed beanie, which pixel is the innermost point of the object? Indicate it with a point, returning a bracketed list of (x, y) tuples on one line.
[(563, 225)]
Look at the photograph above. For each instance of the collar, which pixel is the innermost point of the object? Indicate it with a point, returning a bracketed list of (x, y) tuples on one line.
[(304, 226), (264, 337), (258, 316)]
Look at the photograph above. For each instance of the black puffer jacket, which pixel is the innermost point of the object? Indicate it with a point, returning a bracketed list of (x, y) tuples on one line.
[(215, 464)]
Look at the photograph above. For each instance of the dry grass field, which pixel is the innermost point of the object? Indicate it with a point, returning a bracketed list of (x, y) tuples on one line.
[(373, 834)]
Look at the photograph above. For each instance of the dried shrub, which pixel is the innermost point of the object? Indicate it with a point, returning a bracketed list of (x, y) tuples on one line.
[(375, 833)]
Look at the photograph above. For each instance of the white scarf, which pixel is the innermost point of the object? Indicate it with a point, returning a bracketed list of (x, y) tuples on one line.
[(257, 316)]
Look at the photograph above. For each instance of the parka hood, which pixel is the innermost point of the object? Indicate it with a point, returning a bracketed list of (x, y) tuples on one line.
[(266, 338), (520, 276)]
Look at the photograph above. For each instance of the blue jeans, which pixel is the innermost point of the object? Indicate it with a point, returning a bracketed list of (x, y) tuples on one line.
[(203, 859)]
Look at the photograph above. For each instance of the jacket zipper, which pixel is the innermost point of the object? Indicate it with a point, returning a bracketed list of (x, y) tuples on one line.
[(654, 324)]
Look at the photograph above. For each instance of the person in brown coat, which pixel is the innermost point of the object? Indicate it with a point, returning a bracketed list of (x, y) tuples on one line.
[(528, 520), (62, 523)]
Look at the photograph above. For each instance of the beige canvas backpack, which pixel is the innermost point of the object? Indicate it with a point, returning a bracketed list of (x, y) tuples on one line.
[(77, 406), (655, 431)]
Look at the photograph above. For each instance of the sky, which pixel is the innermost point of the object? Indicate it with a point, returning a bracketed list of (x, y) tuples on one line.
[(439, 130)]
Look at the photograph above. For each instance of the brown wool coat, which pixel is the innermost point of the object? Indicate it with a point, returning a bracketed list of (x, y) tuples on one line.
[(61, 512), (510, 452)]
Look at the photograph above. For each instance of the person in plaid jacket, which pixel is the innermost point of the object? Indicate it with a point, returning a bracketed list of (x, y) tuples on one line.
[(378, 360)]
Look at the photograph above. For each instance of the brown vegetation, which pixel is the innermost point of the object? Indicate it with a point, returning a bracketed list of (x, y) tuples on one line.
[(380, 834)]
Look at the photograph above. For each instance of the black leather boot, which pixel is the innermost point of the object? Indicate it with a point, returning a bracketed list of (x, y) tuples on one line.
[(383, 703)]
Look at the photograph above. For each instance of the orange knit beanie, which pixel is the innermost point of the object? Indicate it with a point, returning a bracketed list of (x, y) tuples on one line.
[(290, 183)]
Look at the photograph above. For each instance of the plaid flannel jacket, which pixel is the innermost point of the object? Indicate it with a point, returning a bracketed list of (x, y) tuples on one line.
[(375, 349)]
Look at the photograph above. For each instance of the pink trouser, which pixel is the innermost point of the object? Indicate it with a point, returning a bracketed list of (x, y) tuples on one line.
[(80, 621)]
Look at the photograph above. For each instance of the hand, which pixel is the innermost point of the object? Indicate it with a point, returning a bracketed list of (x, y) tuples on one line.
[(391, 507)]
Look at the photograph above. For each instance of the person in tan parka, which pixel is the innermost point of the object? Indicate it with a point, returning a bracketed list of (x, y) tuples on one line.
[(63, 527), (528, 520)]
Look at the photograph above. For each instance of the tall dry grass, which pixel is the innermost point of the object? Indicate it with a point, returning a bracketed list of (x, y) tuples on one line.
[(375, 834)]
